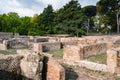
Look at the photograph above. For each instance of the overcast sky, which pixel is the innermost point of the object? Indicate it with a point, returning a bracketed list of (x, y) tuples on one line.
[(31, 7)]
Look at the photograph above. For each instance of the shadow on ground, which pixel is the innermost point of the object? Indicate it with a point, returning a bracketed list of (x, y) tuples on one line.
[(70, 74), (4, 75)]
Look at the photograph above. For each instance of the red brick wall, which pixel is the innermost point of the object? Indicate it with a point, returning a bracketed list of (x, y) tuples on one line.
[(54, 70)]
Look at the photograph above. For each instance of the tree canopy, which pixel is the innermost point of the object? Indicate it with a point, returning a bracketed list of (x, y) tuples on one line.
[(70, 19), (110, 9)]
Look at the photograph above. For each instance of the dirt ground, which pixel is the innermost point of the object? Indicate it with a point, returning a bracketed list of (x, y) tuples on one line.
[(78, 73)]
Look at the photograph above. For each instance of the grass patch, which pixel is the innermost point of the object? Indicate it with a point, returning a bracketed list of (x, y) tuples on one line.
[(117, 78), (92, 72), (100, 58), (10, 51), (56, 53), (97, 75)]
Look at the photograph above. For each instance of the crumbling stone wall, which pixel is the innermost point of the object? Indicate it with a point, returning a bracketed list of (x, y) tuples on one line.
[(1, 41), (93, 65), (80, 41), (13, 43), (54, 70), (5, 35), (94, 49), (75, 53), (26, 66), (24, 37), (46, 46), (36, 40), (72, 53), (54, 39), (84, 41), (32, 66), (51, 69), (50, 46), (63, 44), (4, 45), (113, 60), (112, 45), (17, 43), (37, 47), (10, 67), (65, 39), (86, 47)]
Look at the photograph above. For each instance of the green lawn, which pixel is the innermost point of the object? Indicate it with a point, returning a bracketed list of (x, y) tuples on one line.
[(56, 53), (10, 51), (100, 58), (117, 78)]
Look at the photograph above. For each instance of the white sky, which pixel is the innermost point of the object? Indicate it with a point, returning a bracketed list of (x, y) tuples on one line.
[(31, 7)]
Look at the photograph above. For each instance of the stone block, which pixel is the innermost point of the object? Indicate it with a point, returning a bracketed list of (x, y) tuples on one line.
[(81, 41), (37, 47), (36, 40), (72, 53), (10, 67), (53, 39), (117, 70), (65, 39), (3, 47), (46, 46), (93, 65), (94, 49), (4, 35), (54, 70), (111, 60), (63, 44), (31, 66)]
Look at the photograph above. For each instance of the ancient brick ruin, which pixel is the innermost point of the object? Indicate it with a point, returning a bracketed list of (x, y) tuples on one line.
[(75, 55), (34, 64), (29, 65)]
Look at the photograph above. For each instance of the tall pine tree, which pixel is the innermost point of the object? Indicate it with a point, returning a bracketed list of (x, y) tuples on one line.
[(47, 20), (70, 19)]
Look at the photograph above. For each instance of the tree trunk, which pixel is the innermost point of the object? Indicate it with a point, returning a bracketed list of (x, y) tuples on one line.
[(117, 16), (119, 21), (77, 34), (88, 26)]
